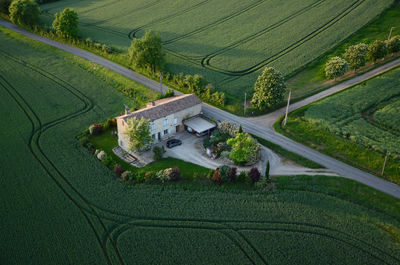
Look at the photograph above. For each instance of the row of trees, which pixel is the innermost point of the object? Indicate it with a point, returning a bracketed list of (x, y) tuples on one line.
[(355, 56), (270, 88), (147, 53), (27, 12)]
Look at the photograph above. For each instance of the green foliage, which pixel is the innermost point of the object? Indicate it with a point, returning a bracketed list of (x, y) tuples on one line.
[(197, 42), (244, 147), (394, 44), (357, 125), (138, 132), (170, 93), (342, 114), (355, 55), (4, 6), (336, 67), (95, 129), (158, 152), (110, 123), (147, 52), (267, 170), (224, 173), (108, 161), (66, 23), (196, 84), (126, 176), (153, 218), (269, 90), (377, 50), (24, 12)]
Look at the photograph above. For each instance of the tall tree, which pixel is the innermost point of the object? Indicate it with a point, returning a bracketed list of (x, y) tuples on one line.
[(243, 148), (377, 50), (24, 12), (269, 89), (138, 132), (336, 67), (147, 52), (66, 23), (355, 55), (394, 44)]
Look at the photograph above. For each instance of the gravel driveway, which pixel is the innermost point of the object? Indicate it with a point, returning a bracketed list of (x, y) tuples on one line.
[(192, 151)]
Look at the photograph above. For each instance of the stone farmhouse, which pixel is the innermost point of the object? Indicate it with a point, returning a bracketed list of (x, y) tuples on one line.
[(167, 116)]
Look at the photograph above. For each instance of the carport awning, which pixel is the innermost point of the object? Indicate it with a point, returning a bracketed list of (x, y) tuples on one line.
[(199, 124)]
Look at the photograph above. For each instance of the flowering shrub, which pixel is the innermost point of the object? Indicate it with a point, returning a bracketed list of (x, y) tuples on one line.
[(126, 175), (172, 174), (228, 128)]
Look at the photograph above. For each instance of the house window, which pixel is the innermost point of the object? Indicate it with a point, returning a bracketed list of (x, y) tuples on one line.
[(175, 121), (169, 131), (153, 126), (166, 132), (162, 134), (153, 136), (165, 122)]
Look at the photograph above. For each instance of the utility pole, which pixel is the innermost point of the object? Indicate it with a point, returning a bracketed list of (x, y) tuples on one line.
[(244, 109), (390, 35), (384, 163), (287, 107), (161, 87)]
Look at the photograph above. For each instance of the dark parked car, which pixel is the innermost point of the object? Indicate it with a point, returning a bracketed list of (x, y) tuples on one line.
[(173, 142)]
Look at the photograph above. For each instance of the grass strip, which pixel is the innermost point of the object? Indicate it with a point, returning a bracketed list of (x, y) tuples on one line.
[(287, 154), (318, 138)]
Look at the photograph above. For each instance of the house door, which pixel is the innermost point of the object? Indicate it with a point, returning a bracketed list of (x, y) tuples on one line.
[(159, 136), (177, 128)]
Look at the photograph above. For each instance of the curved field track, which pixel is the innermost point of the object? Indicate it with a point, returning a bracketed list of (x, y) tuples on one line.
[(64, 207), (227, 42)]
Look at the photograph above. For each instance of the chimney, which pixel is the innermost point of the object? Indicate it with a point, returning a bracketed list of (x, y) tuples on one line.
[(127, 111)]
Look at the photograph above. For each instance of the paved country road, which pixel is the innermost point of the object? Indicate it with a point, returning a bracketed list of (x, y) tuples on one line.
[(260, 126)]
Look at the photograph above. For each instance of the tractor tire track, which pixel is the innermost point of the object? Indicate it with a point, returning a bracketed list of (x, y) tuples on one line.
[(113, 241), (253, 36), (306, 229), (133, 32), (34, 141), (121, 15), (215, 23), (206, 63), (35, 126)]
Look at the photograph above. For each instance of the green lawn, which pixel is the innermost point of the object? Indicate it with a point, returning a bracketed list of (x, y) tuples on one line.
[(61, 206), (231, 45), (106, 142), (355, 125)]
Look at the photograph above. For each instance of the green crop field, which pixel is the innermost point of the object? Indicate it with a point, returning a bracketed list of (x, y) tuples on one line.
[(59, 205), (363, 120), (351, 114), (227, 42)]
